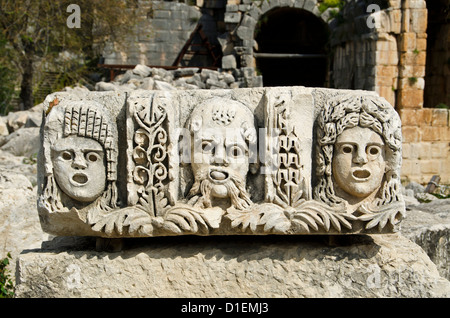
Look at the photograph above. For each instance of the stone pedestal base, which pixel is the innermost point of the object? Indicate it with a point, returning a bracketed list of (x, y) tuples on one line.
[(271, 266)]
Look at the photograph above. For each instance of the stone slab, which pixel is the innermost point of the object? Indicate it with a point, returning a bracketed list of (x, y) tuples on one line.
[(428, 225), (219, 162), (282, 266)]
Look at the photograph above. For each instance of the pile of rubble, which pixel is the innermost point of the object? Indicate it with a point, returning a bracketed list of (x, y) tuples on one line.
[(19, 131), (144, 77), (20, 228), (427, 222)]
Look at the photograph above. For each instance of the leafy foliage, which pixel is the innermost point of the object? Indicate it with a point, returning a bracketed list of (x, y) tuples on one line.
[(8, 81), (331, 4), (35, 40), (185, 219), (442, 105), (30, 160), (305, 217), (6, 284)]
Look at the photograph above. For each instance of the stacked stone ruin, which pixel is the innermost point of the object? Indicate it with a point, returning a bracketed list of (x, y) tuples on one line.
[(156, 78), (381, 49)]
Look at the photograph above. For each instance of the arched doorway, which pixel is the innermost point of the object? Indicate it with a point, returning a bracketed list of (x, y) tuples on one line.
[(437, 79), (292, 48)]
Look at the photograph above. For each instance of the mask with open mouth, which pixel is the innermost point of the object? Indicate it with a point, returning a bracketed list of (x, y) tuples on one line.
[(79, 167), (359, 161), (361, 174), (223, 133), (222, 184)]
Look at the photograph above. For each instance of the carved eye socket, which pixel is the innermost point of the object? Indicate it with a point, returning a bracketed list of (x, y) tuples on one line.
[(207, 147), (373, 151), (235, 151), (67, 155), (92, 157), (347, 149)]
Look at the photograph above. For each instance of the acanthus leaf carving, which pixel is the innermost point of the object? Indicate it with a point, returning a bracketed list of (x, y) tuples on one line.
[(307, 217), (384, 215), (227, 195), (186, 219), (126, 221)]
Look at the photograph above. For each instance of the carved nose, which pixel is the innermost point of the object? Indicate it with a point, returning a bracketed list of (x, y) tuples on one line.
[(360, 157), (79, 162), (219, 155)]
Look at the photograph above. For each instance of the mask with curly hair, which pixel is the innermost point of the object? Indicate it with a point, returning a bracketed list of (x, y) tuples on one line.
[(358, 155)]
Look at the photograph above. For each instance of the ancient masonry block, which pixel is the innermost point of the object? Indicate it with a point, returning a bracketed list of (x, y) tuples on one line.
[(410, 98), (285, 161), (411, 134), (416, 117)]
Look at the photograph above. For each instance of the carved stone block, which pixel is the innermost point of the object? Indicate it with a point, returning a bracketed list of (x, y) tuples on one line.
[(286, 160)]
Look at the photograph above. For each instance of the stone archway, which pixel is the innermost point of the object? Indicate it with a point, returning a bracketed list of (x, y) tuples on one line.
[(291, 48), (242, 21)]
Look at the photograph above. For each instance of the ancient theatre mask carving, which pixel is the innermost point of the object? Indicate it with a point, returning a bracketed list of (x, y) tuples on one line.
[(81, 157), (195, 163), (359, 157), (359, 163), (79, 167), (223, 141)]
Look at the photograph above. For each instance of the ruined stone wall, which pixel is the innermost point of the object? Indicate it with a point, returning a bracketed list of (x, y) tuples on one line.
[(426, 132), (385, 51), (241, 21), (162, 31), (426, 138), (381, 49), (366, 50)]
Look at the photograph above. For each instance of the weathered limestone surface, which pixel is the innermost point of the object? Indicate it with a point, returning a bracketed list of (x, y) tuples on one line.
[(19, 221), (428, 225), (386, 265), (295, 266), (284, 160)]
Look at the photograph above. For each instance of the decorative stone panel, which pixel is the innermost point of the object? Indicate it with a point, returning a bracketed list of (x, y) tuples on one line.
[(288, 160)]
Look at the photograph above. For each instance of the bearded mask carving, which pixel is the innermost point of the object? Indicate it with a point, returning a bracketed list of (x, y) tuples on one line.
[(222, 148)]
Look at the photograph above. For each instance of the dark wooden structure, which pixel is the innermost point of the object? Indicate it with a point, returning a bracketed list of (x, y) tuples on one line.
[(202, 48)]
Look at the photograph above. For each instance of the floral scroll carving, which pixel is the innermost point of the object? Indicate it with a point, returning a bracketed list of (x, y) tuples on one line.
[(150, 156), (195, 163)]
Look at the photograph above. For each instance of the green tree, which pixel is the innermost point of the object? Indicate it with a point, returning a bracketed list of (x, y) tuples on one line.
[(8, 82), (6, 284), (37, 38)]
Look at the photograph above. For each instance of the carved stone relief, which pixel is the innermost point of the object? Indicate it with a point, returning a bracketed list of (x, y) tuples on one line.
[(359, 158), (246, 161)]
